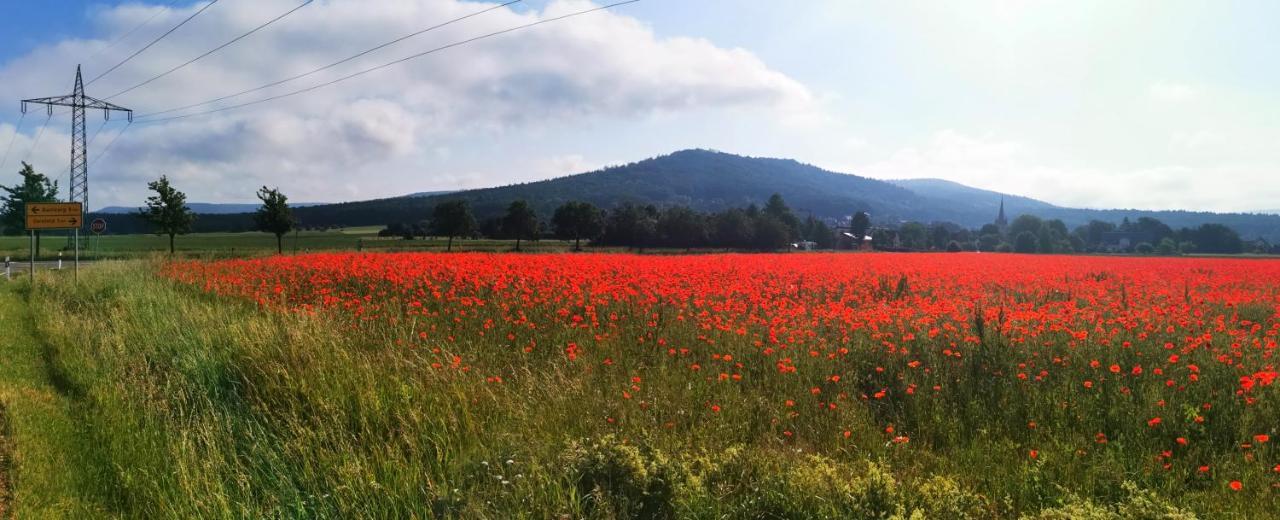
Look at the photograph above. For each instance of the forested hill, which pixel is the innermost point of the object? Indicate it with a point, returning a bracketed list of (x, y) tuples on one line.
[(703, 180), (710, 181)]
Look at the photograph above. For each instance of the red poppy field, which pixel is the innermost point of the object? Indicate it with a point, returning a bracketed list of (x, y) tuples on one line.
[(1031, 382), (639, 386)]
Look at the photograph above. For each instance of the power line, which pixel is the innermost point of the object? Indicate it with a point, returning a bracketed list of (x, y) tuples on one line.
[(36, 141), (153, 42), (110, 143), (98, 131), (135, 29), (9, 148), (388, 64), (334, 64), (215, 49)]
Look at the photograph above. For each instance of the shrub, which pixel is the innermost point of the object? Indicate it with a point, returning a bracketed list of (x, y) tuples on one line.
[(1138, 504), (619, 480), (818, 487), (943, 497)]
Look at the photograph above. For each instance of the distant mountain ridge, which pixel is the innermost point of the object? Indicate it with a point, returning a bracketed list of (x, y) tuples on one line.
[(977, 200), (1250, 225), (209, 208), (228, 208), (708, 180)]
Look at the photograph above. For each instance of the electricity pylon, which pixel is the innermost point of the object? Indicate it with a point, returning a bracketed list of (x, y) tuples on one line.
[(78, 101)]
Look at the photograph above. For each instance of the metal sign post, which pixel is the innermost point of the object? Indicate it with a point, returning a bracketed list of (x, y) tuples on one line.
[(97, 227), (54, 215)]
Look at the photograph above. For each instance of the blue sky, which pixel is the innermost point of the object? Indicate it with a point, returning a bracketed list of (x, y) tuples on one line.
[(1169, 105)]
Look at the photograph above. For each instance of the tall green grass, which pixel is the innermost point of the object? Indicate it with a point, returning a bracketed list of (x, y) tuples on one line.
[(189, 406)]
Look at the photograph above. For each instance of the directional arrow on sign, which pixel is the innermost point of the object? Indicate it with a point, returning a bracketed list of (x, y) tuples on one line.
[(48, 222)]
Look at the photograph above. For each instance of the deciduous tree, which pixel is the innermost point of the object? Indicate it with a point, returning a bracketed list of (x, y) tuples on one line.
[(274, 216), (576, 221), (167, 210), (453, 218), (859, 225), (35, 187), (520, 221)]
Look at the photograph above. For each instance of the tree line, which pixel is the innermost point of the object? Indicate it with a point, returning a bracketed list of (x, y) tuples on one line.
[(775, 226), (769, 228), (1031, 234), (166, 211)]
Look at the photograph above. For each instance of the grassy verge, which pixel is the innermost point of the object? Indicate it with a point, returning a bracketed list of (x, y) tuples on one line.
[(49, 467)]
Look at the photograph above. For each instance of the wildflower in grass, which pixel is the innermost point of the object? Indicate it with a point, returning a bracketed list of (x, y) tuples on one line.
[(789, 323), (1236, 485)]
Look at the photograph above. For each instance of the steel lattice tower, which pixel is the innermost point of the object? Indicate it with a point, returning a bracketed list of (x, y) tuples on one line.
[(78, 101)]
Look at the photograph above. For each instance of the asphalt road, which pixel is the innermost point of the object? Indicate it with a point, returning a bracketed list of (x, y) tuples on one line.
[(21, 267)]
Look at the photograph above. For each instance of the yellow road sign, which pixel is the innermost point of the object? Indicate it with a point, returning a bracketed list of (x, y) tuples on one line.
[(54, 215)]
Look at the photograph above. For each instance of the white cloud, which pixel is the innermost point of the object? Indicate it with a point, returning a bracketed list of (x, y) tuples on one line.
[(382, 134), (855, 143), (561, 165), (1198, 141), (1015, 167), (1171, 92)]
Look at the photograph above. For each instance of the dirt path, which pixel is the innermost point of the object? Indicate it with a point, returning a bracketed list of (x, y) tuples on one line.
[(5, 463), (38, 435)]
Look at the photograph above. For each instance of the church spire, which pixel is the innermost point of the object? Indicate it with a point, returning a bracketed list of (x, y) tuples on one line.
[(1001, 220)]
